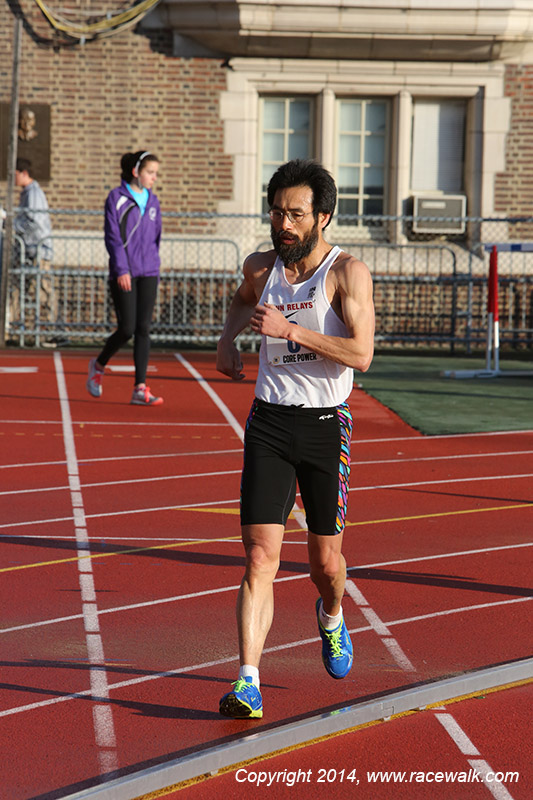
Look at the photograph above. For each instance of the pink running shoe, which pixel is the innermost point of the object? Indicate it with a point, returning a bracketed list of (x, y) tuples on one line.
[(142, 396), (94, 381)]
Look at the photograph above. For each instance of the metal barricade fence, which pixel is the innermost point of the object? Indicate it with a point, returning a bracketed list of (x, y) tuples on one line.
[(428, 290)]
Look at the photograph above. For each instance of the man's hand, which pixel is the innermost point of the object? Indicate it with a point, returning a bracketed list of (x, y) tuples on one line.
[(124, 282), (229, 360), (268, 321)]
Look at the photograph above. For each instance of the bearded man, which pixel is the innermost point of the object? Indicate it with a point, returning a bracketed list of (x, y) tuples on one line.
[(312, 304)]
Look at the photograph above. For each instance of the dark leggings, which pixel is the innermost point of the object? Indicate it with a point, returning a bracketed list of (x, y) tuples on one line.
[(134, 314)]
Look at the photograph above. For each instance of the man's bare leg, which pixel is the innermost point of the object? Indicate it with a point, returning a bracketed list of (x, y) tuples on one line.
[(255, 603), (328, 573), (328, 570), (255, 611)]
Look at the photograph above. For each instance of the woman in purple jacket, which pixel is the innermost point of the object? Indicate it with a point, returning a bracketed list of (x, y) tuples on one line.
[(132, 237)]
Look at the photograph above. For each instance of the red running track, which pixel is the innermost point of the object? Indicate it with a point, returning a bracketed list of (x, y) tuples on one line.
[(121, 561)]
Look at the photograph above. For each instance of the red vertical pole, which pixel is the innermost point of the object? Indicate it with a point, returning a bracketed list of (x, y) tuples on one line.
[(493, 309), (493, 282)]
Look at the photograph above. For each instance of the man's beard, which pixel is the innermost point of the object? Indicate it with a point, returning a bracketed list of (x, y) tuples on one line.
[(296, 251)]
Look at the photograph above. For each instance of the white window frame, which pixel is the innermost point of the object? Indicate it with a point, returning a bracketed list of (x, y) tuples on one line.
[(261, 161), (482, 84), (360, 195)]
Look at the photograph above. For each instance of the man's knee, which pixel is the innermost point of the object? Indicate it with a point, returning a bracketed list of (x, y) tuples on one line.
[(327, 568), (262, 546), (325, 557), (261, 560)]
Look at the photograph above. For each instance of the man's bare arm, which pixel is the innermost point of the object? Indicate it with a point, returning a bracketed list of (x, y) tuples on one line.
[(355, 292), (240, 312)]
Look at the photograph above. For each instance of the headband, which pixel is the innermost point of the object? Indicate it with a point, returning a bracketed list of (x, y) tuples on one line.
[(141, 158)]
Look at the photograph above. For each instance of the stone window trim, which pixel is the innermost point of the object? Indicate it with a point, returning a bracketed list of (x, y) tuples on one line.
[(487, 124)]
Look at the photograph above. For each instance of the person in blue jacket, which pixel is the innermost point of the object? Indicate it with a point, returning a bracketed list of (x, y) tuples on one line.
[(132, 238)]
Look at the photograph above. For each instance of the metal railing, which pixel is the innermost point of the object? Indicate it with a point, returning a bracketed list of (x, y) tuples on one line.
[(427, 292)]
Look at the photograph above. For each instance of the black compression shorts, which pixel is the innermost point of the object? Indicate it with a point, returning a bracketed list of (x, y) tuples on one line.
[(285, 444)]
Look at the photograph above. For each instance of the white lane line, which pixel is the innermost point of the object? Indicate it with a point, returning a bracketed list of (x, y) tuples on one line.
[(227, 660), (460, 738), (356, 442), (19, 370), (215, 503), (449, 611), (379, 627), (468, 748), (102, 714), (445, 481), (224, 589), (193, 540), (438, 436), (109, 537), (398, 654), (222, 407), (453, 457), (239, 430), (128, 368), (449, 723), (142, 456), (231, 472), (98, 423), (127, 482), (498, 790), (372, 462), (435, 556), (121, 513)]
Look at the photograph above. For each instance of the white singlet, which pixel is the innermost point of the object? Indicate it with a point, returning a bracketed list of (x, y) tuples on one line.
[(290, 374)]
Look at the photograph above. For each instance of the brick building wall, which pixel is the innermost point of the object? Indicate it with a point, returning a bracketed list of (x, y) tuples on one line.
[(514, 187), (126, 92)]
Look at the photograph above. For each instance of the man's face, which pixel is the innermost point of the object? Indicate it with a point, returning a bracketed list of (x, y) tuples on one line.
[(20, 176), (294, 241)]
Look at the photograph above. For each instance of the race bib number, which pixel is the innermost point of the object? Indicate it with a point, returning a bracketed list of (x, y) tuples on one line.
[(282, 352)]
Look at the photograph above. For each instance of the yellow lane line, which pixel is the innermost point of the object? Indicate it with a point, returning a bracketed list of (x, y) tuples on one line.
[(121, 552), (440, 514), (237, 538)]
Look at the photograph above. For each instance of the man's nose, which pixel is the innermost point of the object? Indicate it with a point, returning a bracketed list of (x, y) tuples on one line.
[(285, 222)]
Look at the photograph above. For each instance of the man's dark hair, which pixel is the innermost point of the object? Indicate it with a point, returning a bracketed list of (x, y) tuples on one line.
[(306, 173), (23, 165)]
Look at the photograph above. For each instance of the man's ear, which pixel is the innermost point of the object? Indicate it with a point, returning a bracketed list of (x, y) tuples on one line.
[(323, 219)]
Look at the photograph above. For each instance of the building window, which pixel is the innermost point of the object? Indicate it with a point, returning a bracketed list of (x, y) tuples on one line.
[(438, 145), (287, 133), (361, 138)]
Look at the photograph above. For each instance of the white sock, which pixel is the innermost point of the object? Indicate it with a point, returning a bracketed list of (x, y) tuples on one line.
[(327, 622), (246, 671)]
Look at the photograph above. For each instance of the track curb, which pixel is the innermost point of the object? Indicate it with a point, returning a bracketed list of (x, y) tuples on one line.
[(258, 745)]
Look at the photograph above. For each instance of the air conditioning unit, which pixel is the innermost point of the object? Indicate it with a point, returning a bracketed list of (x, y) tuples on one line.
[(436, 211)]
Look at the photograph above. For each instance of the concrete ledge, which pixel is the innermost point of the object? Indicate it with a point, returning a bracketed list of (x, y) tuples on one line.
[(265, 743)]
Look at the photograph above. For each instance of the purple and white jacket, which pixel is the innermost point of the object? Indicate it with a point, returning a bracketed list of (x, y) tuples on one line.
[(132, 239)]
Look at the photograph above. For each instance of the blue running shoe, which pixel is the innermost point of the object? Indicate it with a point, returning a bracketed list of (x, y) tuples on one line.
[(243, 702), (337, 651)]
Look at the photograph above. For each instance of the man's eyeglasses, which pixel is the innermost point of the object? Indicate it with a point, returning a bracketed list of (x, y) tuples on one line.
[(276, 215)]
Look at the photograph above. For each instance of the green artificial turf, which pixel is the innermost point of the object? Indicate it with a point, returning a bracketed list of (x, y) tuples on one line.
[(415, 388)]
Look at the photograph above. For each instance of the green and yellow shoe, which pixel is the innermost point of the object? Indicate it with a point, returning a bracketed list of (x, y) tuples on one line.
[(337, 651), (243, 702)]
